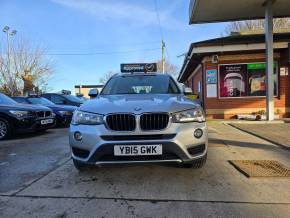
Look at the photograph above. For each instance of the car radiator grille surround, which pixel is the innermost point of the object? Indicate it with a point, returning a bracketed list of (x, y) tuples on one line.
[(121, 122), (154, 121), (43, 114)]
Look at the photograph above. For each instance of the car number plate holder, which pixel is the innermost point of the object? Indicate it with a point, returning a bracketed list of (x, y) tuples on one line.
[(137, 150), (47, 121)]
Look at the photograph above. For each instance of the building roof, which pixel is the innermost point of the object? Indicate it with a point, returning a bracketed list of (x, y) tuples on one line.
[(240, 39), (198, 50), (206, 11)]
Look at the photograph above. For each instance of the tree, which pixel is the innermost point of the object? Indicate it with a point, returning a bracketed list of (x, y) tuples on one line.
[(106, 77), (169, 68), (258, 26), (23, 69)]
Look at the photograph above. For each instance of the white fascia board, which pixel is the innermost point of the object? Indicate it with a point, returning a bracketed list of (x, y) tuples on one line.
[(240, 47)]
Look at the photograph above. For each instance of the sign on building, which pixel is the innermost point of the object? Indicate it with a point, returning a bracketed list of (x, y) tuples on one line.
[(211, 76), (138, 67)]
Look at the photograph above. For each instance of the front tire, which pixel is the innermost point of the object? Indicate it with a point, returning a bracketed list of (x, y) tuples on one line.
[(80, 166), (196, 164), (5, 129)]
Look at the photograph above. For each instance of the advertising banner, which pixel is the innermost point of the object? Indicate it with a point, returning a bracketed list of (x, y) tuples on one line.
[(233, 80), (239, 80), (211, 76)]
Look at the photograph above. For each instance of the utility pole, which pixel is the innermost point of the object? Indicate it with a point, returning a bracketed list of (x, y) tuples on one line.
[(163, 57)]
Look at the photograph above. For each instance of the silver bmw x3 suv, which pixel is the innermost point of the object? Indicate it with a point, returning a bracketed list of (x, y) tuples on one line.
[(139, 118)]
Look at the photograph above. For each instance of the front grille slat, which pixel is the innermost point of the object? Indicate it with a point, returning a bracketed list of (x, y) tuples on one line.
[(121, 122), (154, 121), (127, 122)]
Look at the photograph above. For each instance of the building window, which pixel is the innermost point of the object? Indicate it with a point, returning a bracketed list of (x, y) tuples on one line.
[(244, 80), (199, 87)]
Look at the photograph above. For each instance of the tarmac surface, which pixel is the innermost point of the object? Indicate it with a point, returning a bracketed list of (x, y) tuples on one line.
[(39, 180)]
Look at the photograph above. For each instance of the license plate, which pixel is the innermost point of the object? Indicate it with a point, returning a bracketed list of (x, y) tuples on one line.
[(132, 150), (47, 121)]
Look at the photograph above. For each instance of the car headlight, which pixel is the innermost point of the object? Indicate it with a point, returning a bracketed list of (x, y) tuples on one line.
[(65, 113), (80, 117), (193, 115), (21, 114)]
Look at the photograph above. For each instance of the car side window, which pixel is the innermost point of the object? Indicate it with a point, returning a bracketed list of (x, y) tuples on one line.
[(20, 100), (57, 99), (172, 87), (48, 96)]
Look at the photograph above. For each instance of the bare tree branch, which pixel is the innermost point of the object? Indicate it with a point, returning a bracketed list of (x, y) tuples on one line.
[(169, 68), (26, 68), (106, 77), (258, 26)]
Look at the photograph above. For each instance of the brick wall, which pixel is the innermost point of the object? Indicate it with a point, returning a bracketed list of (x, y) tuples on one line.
[(195, 80), (229, 107)]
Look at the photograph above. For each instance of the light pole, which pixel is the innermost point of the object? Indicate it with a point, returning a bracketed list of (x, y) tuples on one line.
[(9, 34)]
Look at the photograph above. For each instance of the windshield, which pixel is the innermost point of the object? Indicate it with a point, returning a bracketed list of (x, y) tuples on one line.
[(153, 84), (42, 101), (6, 100), (74, 99)]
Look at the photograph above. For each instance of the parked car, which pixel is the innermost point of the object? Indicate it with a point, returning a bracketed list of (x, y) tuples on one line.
[(63, 99), (63, 113), (16, 118), (139, 118)]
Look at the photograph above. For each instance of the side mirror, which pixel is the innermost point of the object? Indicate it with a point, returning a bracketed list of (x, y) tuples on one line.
[(93, 93), (187, 91)]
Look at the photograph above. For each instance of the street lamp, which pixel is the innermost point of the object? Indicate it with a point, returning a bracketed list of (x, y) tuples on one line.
[(8, 35), (6, 29)]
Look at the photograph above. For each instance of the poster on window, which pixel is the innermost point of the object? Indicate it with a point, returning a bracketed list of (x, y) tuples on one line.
[(257, 79), (211, 76), (233, 80)]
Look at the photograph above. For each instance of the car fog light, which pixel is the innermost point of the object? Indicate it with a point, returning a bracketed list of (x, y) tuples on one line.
[(198, 133), (78, 136)]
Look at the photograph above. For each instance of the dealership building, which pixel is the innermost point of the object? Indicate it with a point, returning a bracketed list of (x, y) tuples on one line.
[(229, 74)]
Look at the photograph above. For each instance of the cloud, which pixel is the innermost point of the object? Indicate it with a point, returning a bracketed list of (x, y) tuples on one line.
[(123, 11)]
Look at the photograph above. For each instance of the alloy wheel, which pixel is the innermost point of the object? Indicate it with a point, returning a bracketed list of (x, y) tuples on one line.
[(3, 129)]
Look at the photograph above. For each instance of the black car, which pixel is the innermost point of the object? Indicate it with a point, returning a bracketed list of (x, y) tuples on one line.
[(63, 112), (16, 118), (63, 99)]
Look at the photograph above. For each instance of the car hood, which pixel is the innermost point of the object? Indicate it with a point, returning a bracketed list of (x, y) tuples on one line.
[(62, 107), (138, 103), (25, 107)]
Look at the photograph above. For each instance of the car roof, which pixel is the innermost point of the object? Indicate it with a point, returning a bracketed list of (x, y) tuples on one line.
[(141, 74), (33, 96), (19, 97)]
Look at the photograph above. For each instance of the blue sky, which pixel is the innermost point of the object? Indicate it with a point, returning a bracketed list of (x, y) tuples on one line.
[(119, 31)]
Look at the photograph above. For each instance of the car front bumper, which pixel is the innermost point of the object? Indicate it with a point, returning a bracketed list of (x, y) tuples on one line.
[(31, 124), (63, 120), (178, 144)]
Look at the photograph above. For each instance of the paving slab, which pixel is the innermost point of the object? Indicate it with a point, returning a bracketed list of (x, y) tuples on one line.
[(218, 180), (25, 158), (275, 133), (218, 189), (70, 207)]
